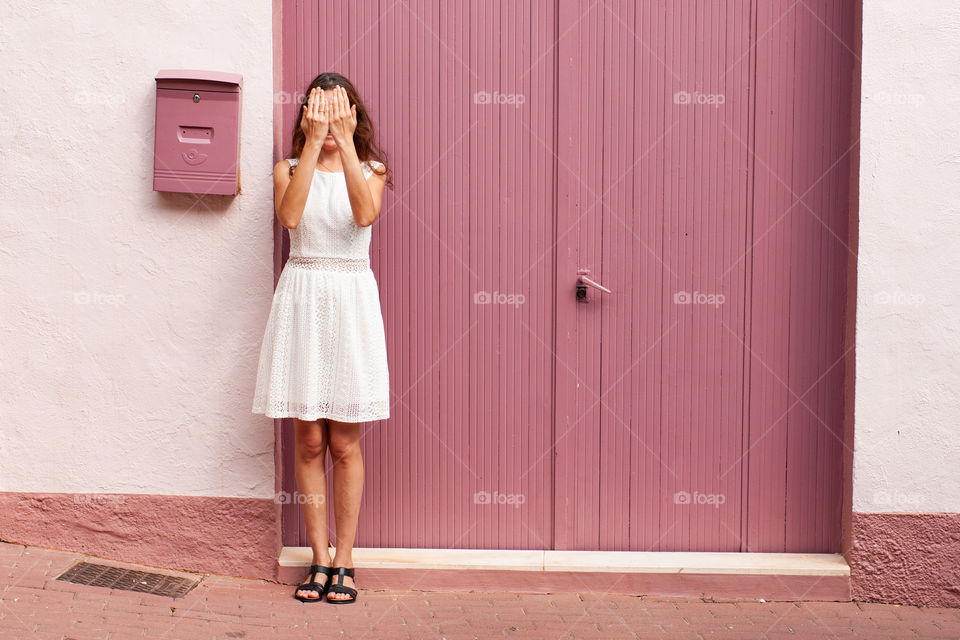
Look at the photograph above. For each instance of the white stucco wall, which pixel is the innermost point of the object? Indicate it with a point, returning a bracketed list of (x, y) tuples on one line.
[(907, 425), (131, 319)]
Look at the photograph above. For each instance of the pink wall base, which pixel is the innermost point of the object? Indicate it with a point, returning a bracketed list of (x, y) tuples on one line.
[(227, 536), (898, 558), (907, 558)]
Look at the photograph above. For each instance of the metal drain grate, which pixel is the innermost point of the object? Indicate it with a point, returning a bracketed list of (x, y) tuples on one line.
[(100, 575)]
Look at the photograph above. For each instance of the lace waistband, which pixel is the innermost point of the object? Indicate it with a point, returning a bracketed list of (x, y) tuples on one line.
[(329, 263)]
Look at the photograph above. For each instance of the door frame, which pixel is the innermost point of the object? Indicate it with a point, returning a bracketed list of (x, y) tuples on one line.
[(567, 263)]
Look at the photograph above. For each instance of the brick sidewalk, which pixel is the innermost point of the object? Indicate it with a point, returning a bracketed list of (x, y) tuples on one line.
[(36, 606)]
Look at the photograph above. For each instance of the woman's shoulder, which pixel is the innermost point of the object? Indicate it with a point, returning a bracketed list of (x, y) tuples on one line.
[(286, 163), (372, 166), (284, 167)]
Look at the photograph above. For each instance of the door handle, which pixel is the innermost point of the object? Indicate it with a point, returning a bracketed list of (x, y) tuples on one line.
[(596, 285), (583, 282)]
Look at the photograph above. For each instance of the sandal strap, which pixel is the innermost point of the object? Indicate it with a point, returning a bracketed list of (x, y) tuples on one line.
[(339, 588), (313, 585), (343, 571)]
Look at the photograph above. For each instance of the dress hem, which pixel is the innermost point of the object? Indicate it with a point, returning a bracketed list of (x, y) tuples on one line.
[(328, 416)]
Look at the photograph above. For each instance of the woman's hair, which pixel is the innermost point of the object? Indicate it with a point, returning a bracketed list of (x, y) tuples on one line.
[(364, 137)]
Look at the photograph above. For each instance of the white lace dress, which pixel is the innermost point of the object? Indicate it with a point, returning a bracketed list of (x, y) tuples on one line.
[(324, 353)]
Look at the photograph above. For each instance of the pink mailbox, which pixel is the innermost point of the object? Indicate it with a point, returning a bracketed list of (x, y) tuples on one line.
[(197, 143)]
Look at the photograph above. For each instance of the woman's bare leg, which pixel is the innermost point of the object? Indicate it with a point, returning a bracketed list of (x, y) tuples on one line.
[(347, 491), (309, 467)]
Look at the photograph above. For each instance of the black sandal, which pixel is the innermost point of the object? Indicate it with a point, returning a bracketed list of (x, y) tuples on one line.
[(339, 588), (313, 585)]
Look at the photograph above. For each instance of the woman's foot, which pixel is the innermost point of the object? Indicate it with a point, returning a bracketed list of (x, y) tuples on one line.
[(342, 587), (317, 583)]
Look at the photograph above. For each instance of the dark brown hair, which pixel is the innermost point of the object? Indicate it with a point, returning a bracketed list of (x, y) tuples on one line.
[(364, 137)]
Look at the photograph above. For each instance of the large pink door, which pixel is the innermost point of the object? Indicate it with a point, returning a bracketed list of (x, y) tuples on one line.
[(691, 157)]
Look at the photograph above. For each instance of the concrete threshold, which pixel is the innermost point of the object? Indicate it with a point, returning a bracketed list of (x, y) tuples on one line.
[(711, 575)]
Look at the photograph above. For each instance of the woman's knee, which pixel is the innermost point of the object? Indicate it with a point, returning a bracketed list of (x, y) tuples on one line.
[(311, 438), (344, 440)]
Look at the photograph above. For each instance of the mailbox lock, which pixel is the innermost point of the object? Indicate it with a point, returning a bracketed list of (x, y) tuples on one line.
[(196, 97)]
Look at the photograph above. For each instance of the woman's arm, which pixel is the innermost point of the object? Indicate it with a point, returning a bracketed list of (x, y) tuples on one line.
[(290, 194), (366, 195)]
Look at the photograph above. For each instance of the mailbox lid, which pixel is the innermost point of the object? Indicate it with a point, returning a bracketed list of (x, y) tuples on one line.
[(194, 79)]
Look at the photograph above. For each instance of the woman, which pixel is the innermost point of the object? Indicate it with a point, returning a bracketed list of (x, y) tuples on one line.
[(323, 360)]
